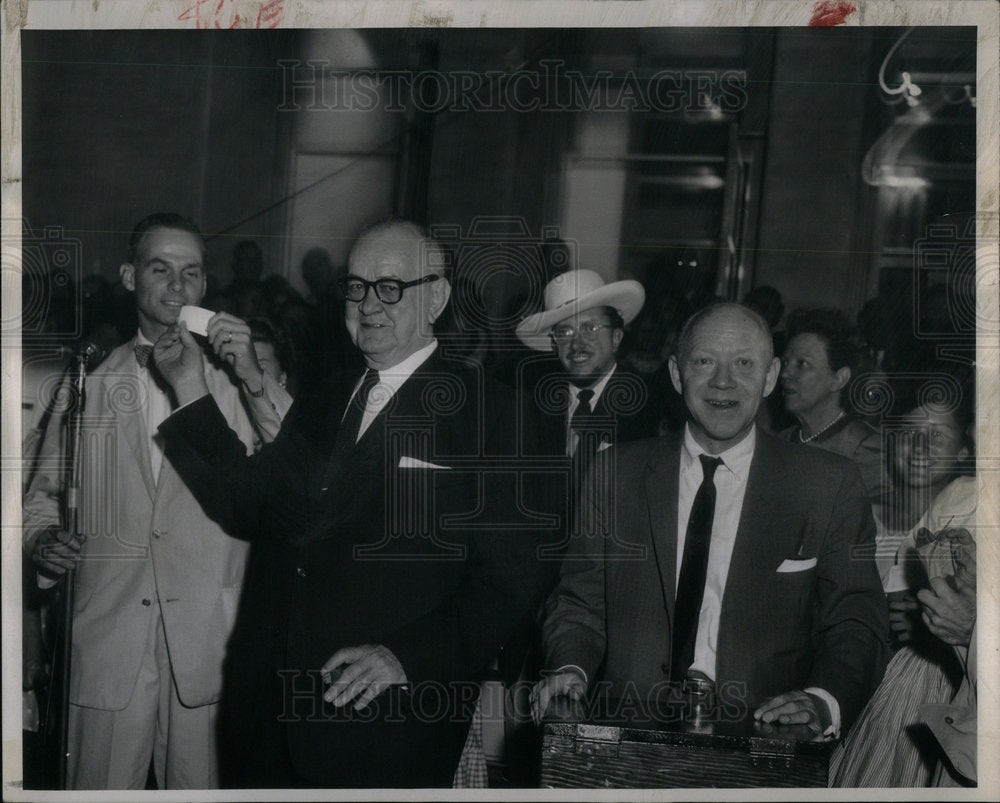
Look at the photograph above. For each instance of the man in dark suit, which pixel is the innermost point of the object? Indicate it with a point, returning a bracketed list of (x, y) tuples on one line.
[(767, 594), (592, 403), (385, 573)]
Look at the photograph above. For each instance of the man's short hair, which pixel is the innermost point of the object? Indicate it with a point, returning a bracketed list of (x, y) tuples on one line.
[(614, 318), (684, 339), (432, 255), (160, 220)]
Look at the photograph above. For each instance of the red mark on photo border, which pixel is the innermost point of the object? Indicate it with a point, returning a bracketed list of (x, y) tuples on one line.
[(831, 12), (222, 14)]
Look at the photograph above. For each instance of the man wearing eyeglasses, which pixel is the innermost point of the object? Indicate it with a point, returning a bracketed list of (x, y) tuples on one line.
[(592, 404), (388, 568), (583, 323)]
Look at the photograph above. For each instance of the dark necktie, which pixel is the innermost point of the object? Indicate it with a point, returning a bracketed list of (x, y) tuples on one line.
[(578, 423), (142, 354), (694, 567), (347, 435)]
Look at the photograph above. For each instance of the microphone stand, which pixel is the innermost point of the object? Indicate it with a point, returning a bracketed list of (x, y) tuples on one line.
[(72, 524)]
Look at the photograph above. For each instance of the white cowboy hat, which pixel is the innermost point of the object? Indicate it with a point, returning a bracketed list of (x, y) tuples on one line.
[(572, 292)]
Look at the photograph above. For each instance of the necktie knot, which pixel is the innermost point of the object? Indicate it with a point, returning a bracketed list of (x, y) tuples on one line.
[(142, 354), (708, 466), (368, 381), (583, 398)]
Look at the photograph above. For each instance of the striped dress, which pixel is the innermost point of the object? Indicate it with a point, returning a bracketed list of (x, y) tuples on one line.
[(888, 746)]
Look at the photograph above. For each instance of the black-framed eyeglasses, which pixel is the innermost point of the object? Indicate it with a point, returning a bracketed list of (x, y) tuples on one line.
[(564, 333), (389, 291)]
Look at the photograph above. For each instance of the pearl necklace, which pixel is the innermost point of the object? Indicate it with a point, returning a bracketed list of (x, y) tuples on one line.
[(815, 435)]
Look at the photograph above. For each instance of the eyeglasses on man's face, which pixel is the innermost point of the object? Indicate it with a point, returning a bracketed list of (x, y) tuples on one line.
[(564, 333), (389, 291)]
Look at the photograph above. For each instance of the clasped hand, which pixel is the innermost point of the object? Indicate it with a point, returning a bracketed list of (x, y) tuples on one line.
[(360, 674)]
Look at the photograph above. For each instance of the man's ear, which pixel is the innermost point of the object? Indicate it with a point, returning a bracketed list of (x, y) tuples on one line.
[(616, 338), (441, 292), (841, 378), (675, 374), (127, 274), (773, 372)]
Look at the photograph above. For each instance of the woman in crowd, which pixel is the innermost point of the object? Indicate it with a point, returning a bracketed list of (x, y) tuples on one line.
[(887, 747), (274, 352), (819, 361), (276, 358)]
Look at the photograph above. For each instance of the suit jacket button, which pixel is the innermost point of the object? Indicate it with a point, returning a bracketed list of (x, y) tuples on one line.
[(159, 533), (300, 571), (146, 602)]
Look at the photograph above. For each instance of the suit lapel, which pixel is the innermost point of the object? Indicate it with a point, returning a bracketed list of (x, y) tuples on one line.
[(131, 421), (660, 481), (763, 540)]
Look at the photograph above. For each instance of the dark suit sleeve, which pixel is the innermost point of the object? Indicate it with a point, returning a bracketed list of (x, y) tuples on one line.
[(212, 461), (574, 629), (851, 622)]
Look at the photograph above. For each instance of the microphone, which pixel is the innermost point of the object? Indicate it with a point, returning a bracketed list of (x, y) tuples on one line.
[(96, 346)]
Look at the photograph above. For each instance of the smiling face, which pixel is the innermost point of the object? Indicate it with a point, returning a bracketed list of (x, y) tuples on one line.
[(389, 333), (723, 370), (927, 451), (586, 361), (807, 380), (168, 272)]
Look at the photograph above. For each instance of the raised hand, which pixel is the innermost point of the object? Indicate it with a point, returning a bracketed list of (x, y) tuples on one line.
[(230, 338), (179, 360)]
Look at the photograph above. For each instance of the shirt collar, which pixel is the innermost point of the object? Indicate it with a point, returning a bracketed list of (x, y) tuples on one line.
[(141, 339), (395, 376), (736, 458), (597, 387)]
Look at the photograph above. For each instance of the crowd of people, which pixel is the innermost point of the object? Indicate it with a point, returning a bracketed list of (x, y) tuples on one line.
[(623, 493)]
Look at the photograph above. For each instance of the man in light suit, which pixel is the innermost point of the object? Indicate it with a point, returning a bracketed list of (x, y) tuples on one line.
[(157, 582), (723, 556), (388, 567)]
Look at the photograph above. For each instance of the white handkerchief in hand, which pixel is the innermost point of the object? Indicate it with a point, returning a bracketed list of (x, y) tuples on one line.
[(196, 318), (790, 565), (411, 462)]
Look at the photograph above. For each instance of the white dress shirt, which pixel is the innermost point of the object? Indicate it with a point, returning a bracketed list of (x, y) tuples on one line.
[(730, 489), (390, 380), (572, 438), (156, 409)]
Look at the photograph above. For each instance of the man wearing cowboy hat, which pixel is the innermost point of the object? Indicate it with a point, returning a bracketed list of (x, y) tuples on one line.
[(594, 404)]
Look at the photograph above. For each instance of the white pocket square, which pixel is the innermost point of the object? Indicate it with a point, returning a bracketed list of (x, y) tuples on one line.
[(604, 445), (411, 462), (789, 565)]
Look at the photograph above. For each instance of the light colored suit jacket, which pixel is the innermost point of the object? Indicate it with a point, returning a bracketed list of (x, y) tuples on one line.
[(150, 547)]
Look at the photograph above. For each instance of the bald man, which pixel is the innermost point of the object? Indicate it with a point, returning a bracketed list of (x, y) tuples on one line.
[(728, 558), (385, 573)]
